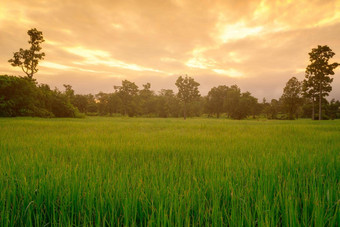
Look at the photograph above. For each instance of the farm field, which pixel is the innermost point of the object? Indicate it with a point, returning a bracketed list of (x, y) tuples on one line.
[(169, 172)]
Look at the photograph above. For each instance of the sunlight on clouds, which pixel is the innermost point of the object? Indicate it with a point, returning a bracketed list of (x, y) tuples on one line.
[(2, 13), (52, 43), (117, 26), (87, 53), (198, 60), (169, 60), (230, 72), (55, 65), (67, 31), (262, 9), (52, 65), (300, 70), (197, 63), (330, 20), (100, 57), (238, 30), (236, 57), (15, 15)]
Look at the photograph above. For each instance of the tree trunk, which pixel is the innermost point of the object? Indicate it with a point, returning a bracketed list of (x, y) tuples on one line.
[(320, 96), (313, 112), (185, 111)]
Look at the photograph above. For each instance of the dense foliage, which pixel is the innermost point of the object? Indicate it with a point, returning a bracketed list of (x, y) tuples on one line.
[(317, 83), (22, 96)]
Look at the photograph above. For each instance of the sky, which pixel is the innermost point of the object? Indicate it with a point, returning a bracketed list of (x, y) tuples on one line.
[(93, 45)]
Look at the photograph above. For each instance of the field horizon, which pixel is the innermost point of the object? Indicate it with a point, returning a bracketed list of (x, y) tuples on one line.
[(150, 171)]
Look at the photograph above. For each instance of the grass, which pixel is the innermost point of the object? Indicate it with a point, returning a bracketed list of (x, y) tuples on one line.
[(168, 172)]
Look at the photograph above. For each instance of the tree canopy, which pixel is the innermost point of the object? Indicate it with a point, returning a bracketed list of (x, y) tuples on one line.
[(28, 59), (291, 97), (187, 91), (317, 81)]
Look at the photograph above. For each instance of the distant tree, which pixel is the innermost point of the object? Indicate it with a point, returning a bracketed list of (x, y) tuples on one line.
[(18, 96), (128, 92), (167, 103), (61, 105), (291, 97), (28, 59), (81, 102), (232, 100), (187, 91), (196, 107), (309, 91), (334, 109), (69, 92), (102, 103), (91, 104), (216, 98), (244, 107), (147, 100), (318, 81), (253, 104), (114, 103), (272, 109)]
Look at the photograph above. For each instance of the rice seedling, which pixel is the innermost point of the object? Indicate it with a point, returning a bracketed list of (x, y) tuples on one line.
[(168, 172)]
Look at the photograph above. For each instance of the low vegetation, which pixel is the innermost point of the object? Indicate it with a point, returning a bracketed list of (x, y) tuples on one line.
[(134, 171)]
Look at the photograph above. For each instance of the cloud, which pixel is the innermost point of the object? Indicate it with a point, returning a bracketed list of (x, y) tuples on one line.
[(258, 44)]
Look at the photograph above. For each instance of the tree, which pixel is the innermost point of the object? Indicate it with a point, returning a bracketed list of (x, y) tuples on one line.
[(18, 96), (167, 103), (69, 92), (216, 98), (309, 91), (28, 59), (244, 107), (187, 92), (147, 100), (128, 93), (317, 82), (334, 109), (291, 97), (81, 102), (272, 109), (103, 100), (232, 100)]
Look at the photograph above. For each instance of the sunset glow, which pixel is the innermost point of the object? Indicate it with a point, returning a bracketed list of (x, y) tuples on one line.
[(257, 44)]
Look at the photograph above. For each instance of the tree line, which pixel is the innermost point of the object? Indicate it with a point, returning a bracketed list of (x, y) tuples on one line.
[(23, 96)]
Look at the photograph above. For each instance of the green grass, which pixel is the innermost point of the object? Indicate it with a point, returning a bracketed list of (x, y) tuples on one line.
[(169, 172)]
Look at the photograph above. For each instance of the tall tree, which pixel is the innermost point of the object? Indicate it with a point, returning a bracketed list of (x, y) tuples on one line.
[(28, 59), (216, 98), (232, 100), (167, 103), (318, 81), (244, 106), (147, 100), (291, 97), (128, 92), (187, 92), (309, 91)]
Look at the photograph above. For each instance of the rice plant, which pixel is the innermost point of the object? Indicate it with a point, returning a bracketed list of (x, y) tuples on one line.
[(168, 172)]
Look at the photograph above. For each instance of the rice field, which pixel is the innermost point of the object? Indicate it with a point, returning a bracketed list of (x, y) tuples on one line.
[(169, 172)]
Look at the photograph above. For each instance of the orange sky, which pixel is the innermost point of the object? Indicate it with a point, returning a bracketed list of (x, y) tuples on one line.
[(93, 45)]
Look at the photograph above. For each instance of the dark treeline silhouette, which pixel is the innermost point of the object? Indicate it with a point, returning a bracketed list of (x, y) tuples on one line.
[(23, 96)]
